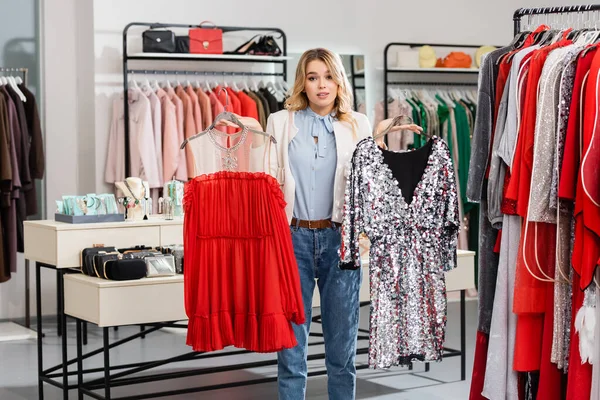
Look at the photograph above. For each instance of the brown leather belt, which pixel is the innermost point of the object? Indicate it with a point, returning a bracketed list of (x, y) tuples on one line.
[(319, 224)]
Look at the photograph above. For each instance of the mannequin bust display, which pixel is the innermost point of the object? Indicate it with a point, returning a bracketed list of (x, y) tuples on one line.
[(136, 193)]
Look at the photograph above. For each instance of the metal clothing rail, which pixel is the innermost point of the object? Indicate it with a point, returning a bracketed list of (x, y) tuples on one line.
[(440, 76), (525, 12), (190, 58), (24, 71), (200, 73), (417, 83)]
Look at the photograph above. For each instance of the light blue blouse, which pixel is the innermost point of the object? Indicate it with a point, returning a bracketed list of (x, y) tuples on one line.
[(313, 165)]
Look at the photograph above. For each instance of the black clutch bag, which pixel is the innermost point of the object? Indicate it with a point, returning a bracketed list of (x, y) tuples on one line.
[(87, 258), (182, 44), (100, 261), (124, 270), (158, 41)]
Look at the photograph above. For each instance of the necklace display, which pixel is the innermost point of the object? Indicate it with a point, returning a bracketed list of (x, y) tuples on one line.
[(230, 162), (131, 204)]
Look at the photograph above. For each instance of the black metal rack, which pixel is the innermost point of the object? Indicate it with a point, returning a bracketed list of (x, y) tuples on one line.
[(23, 71), (525, 12), (179, 57), (436, 76), (354, 76)]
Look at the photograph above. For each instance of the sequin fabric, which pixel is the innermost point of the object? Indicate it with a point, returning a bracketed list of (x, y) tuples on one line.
[(565, 232), (567, 81), (544, 151), (562, 294), (412, 245)]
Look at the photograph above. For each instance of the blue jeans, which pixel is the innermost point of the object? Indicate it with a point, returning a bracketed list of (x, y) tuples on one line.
[(317, 255)]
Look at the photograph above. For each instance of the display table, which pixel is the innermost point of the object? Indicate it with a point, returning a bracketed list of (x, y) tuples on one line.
[(58, 245), (155, 302), (115, 303)]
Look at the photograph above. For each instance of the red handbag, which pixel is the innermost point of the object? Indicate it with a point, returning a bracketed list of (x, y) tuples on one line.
[(206, 40)]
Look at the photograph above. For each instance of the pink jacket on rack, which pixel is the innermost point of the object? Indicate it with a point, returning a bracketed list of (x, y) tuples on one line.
[(181, 173), (170, 138), (143, 159)]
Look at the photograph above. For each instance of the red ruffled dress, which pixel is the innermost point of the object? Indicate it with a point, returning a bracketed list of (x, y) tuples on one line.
[(241, 281)]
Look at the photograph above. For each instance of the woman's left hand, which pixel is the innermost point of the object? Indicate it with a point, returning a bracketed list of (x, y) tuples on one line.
[(408, 127)]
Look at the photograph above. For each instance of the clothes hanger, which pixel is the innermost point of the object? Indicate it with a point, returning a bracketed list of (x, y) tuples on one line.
[(187, 81), (13, 84), (133, 83), (227, 116), (284, 85), (245, 83), (167, 82)]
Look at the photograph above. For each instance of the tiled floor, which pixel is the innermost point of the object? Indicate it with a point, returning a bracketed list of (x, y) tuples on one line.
[(18, 368)]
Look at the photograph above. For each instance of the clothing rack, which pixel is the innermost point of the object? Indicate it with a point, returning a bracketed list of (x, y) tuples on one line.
[(24, 72), (354, 75), (561, 10), (438, 76), (202, 58)]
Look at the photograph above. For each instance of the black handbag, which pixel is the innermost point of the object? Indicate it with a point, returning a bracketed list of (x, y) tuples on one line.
[(87, 258), (124, 270), (182, 44), (100, 261), (158, 41)]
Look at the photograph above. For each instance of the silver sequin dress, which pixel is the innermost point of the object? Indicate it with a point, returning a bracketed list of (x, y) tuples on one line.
[(412, 245)]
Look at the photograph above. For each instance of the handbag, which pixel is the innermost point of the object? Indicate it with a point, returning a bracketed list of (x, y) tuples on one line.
[(87, 258), (125, 270), (182, 44), (163, 265), (458, 59), (100, 261), (206, 40), (176, 250), (139, 247), (158, 41), (141, 254)]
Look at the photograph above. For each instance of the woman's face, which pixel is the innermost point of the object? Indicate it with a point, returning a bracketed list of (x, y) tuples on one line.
[(320, 88)]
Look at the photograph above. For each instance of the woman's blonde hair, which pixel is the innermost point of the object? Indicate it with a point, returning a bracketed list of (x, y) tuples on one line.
[(343, 101)]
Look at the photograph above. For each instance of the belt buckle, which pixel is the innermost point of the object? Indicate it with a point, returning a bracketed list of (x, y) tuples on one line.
[(309, 225)]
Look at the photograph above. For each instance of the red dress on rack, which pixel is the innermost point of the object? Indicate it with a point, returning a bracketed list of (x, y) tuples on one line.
[(587, 211), (530, 293), (580, 375)]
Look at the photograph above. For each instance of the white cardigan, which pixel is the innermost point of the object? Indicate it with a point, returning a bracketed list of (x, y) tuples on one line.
[(281, 126)]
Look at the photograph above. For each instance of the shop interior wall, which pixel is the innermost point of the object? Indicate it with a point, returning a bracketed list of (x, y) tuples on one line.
[(82, 62)]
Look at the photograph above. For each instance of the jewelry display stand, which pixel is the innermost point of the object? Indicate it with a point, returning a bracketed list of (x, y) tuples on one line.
[(137, 193)]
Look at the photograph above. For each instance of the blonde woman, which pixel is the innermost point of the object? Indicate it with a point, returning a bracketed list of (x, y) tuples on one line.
[(316, 135), (318, 132)]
